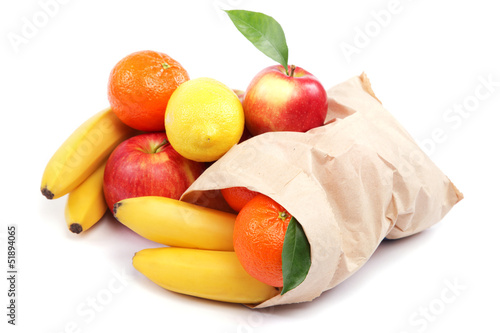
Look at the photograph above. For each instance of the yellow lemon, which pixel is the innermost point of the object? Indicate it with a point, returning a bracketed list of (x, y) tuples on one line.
[(204, 119)]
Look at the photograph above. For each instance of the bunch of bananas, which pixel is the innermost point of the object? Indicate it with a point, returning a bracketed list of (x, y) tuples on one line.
[(198, 260), (77, 168)]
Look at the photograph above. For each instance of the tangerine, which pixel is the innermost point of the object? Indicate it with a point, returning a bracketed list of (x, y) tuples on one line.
[(259, 233), (140, 86), (237, 197)]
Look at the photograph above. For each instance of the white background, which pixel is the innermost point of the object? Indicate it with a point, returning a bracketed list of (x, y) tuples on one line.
[(426, 60)]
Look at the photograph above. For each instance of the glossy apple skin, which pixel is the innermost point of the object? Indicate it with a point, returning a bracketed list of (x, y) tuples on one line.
[(134, 170), (275, 101)]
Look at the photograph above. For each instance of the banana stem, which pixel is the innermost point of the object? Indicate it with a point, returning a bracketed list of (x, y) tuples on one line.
[(76, 228)]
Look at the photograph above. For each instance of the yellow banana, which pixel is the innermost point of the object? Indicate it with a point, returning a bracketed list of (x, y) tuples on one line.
[(216, 275), (86, 204), (177, 223), (82, 153)]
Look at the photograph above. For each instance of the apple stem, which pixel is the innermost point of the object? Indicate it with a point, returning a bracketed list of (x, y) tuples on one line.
[(157, 149), (292, 70)]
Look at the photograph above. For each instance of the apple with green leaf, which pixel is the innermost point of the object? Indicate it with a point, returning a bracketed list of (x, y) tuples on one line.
[(280, 97), (146, 165)]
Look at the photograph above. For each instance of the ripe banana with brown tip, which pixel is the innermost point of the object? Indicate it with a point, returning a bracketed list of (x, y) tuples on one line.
[(216, 275), (177, 223), (82, 153), (86, 204)]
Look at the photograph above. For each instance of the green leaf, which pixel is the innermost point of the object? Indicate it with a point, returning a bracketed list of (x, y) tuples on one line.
[(295, 256), (264, 32)]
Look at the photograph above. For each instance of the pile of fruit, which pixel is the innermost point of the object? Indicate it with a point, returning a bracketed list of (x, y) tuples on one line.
[(160, 133)]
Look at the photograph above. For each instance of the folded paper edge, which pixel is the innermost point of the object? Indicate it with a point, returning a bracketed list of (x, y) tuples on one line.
[(365, 83), (459, 194)]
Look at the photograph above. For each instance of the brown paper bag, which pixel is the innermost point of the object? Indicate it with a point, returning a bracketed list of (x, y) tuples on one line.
[(350, 183)]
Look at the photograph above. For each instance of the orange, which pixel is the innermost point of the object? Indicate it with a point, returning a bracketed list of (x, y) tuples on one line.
[(237, 197), (140, 86), (259, 232)]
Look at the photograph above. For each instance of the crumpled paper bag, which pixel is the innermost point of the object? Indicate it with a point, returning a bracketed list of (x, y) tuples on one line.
[(351, 183)]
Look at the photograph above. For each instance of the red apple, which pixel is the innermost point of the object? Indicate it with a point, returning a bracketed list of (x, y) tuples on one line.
[(275, 101), (145, 165)]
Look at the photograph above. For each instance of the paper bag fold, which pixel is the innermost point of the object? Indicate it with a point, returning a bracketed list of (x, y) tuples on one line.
[(350, 183)]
